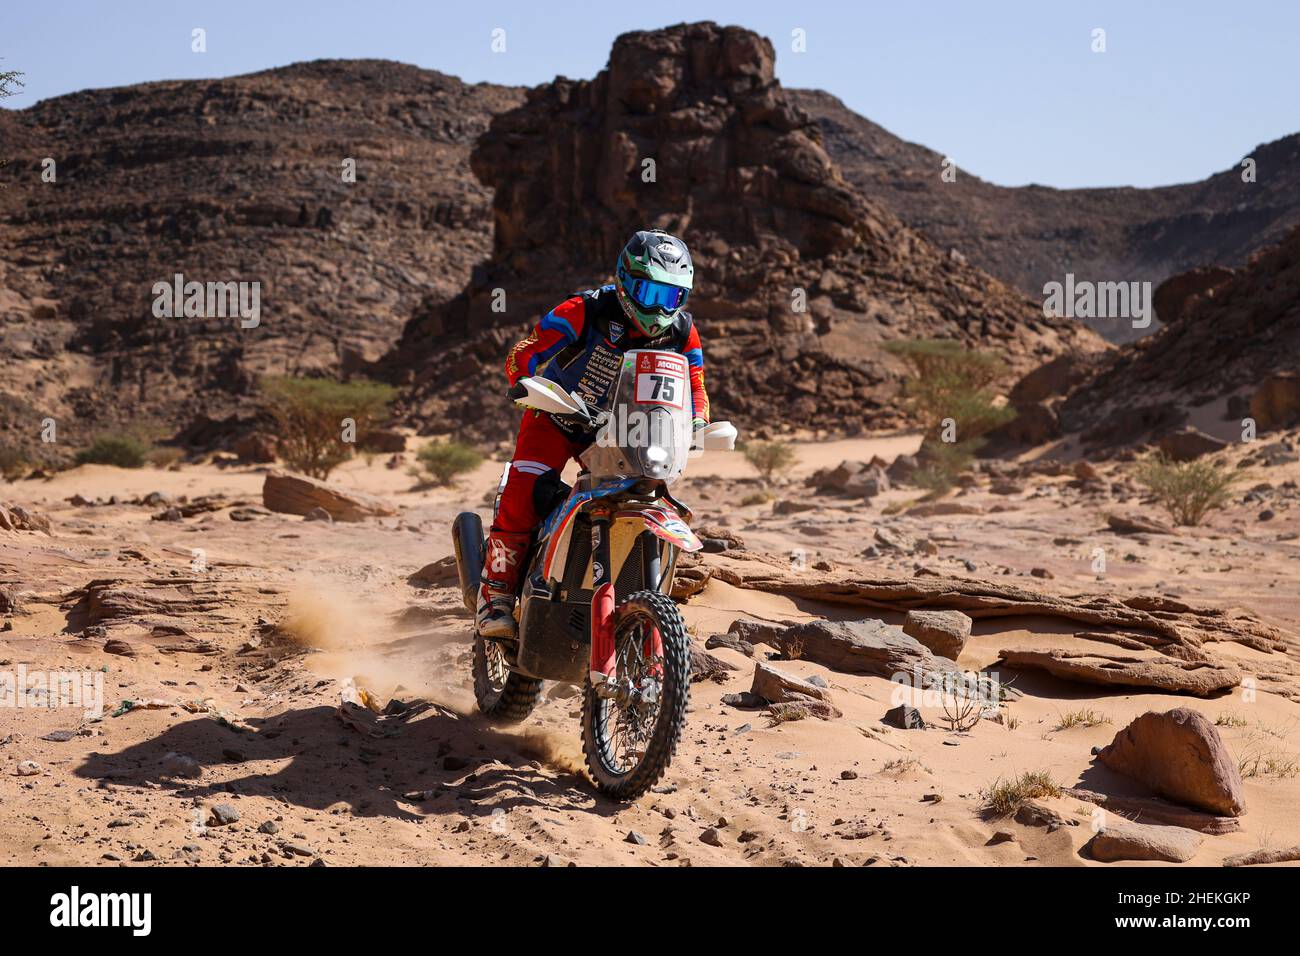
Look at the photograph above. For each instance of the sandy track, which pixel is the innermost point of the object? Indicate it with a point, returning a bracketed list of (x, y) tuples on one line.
[(440, 786)]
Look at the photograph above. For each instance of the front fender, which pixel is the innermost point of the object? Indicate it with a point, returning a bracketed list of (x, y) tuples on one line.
[(666, 524)]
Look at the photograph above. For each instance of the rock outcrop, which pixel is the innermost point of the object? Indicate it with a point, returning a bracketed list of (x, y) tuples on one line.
[(799, 277), (1241, 339), (852, 647), (242, 179), (1115, 234), (1201, 678)]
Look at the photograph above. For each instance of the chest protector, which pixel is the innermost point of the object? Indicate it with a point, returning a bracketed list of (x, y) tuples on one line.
[(590, 365)]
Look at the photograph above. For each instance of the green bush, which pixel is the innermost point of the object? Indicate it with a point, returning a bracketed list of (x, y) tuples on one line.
[(770, 458), (124, 451), (949, 382), (309, 414), (441, 461), (1188, 490)]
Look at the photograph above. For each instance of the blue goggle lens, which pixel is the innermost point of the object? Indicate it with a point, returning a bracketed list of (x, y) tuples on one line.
[(650, 294)]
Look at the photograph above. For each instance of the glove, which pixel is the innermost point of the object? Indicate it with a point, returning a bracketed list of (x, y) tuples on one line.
[(697, 424), (518, 391)]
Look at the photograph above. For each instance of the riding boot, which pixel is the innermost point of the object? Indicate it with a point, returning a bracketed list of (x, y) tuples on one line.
[(502, 567)]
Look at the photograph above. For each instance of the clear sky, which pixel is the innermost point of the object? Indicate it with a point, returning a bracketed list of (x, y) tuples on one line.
[(1011, 90)]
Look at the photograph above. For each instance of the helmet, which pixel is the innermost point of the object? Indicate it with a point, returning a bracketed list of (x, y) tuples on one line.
[(653, 279)]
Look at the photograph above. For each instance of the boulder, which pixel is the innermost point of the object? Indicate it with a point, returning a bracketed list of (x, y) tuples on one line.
[(1276, 402), (852, 647), (1201, 678), (944, 632), (298, 495), (904, 717), (1122, 840), (777, 686), (1180, 756), (1188, 443)]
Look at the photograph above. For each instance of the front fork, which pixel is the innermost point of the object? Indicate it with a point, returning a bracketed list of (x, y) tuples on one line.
[(603, 600), (602, 603)]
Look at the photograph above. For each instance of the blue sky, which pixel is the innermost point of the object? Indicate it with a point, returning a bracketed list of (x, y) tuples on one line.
[(1011, 90)]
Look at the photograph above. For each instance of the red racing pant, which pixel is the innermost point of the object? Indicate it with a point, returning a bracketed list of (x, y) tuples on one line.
[(541, 447)]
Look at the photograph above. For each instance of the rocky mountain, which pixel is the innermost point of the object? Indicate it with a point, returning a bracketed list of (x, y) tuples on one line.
[(1030, 235), (234, 180), (1229, 347), (800, 277)]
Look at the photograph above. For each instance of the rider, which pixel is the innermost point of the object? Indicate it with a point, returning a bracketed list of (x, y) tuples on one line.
[(581, 342)]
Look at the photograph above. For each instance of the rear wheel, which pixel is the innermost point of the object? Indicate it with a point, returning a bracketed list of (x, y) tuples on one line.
[(502, 694), (631, 725)]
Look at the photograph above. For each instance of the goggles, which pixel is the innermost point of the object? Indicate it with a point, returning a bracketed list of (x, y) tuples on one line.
[(649, 294)]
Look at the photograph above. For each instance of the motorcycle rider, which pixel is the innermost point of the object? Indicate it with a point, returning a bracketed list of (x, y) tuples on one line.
[(580, 344)]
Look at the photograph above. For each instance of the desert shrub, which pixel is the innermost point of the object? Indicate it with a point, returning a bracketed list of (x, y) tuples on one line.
[(939, 463), (1188, 490), (947, 381), (13, 463), (1005, 797), (124, 451), (439, 462), (770, 459), (1081, 718), (309, 415)]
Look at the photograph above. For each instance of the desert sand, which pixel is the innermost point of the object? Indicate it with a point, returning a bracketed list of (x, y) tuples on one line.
[(246, 635)]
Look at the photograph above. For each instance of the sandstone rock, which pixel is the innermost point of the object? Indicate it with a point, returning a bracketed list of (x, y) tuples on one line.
[(1201, 678), (1188, 443), (18, 518), (1122, 840), (1137, 524), (1276, 402), (705, 666), (1179, 755), (776, 686), (944, 632), (298, 495), (799, 707), (852, 647), (904, 717)]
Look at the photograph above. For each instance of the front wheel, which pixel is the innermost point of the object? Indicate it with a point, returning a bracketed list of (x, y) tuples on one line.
[(631, 725)]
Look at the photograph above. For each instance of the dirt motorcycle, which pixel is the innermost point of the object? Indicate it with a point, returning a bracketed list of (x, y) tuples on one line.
[(594, 607)]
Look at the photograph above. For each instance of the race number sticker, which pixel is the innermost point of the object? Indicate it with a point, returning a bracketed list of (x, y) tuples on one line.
[(661, 380)]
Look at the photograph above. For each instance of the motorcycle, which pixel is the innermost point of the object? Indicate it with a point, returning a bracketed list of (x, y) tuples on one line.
[(594, 607)]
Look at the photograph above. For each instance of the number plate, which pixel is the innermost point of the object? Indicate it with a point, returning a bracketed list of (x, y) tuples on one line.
[(661, 380)]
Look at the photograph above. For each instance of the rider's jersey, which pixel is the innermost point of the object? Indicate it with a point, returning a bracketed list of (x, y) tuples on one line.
[(580, 344)]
